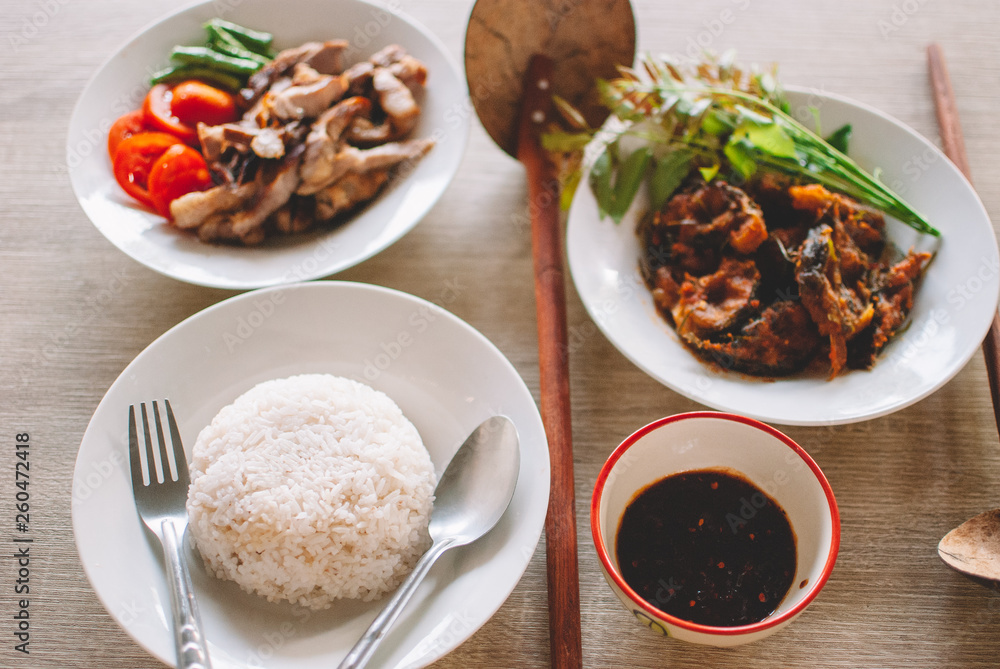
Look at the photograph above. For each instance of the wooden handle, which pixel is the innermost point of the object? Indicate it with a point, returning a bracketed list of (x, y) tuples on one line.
[(553, 362), (953, 144)]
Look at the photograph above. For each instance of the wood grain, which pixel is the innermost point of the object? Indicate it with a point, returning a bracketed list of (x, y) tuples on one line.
[(901, 481), (566, 650), (584, 38), (953, 145)]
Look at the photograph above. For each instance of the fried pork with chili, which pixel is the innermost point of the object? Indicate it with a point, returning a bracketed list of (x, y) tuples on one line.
[(769, 278)]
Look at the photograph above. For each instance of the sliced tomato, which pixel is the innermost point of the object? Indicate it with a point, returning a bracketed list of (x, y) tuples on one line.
[(158, 115), (178, 171), (194, 101), (134, 159), (127, 125)]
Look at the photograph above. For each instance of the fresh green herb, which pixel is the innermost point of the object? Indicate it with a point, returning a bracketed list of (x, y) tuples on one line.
[(600, 181), (559, 141), (617, 181), (722, 120), (840, 138), (667, 176)]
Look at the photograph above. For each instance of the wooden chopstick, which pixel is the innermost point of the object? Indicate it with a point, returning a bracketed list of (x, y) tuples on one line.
[(562, 566), (953, 144)]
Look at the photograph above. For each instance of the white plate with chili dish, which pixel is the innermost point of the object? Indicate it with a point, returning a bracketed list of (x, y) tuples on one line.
[(954, 304)]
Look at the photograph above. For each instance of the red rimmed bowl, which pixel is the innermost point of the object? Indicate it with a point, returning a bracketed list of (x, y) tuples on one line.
[(767, 458)]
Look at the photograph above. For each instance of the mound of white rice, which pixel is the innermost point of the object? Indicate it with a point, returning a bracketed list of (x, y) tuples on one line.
[(309, 489)]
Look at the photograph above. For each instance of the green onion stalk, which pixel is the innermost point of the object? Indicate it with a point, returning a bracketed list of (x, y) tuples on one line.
[(720, 120)]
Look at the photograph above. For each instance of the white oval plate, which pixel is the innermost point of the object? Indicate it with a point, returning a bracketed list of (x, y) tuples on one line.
[(952, 312), (446, 377), (121, 83)]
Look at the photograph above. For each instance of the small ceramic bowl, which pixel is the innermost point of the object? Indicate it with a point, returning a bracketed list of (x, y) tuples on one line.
[(709, 440)]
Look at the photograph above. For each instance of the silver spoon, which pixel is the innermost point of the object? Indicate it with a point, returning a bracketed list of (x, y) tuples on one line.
[(470, 498)]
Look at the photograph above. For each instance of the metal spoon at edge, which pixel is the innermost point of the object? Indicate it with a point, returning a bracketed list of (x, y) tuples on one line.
[(470, 499)]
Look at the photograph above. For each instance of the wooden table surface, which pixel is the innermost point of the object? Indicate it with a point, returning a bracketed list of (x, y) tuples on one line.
[(902, 481)]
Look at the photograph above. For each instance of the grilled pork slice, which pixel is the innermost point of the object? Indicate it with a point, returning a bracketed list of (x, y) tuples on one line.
[(220, 229), (392, 154), (359, 78), (297, 215), (348, 192), (387, 55), (269, 143), (324, 167), (397, 102), (324, 57), (411, 72), (403, 66), (191, 210), (307, 100), (275, 185), (243, 136), (320, 165), (213, 141)]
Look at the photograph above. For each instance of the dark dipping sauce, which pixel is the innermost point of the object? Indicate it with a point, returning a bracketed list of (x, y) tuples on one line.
[(707, 546)]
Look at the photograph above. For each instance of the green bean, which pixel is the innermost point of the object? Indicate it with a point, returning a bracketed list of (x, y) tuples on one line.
[(208, 75), (205, 57), (223, 42), (254, 40)]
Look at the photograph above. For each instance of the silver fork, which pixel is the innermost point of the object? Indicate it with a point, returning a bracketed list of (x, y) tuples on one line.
[(160, 484)]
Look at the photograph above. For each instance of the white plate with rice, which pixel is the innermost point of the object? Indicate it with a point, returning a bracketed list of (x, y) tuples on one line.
[(444, 375)]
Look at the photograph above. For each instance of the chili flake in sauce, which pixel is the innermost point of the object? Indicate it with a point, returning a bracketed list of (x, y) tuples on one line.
[(707, 546)]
